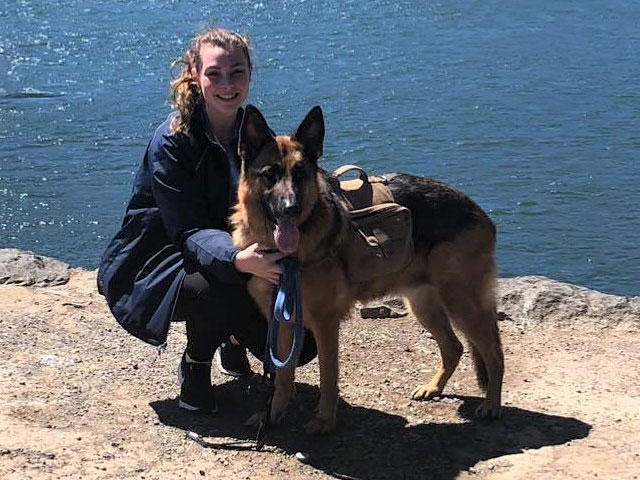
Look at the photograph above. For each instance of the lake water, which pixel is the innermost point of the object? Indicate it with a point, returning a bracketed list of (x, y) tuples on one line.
[(532, 108)]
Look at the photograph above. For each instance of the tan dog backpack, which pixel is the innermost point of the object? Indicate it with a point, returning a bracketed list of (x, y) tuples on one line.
[(380, 241)]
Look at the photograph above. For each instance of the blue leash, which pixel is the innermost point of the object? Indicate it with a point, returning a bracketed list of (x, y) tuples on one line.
[(286, 307)]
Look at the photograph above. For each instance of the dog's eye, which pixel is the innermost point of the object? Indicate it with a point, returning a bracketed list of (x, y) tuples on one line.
[(271, 174)]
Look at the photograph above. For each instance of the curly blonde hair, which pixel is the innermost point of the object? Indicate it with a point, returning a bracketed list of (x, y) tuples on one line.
[(185, 92)]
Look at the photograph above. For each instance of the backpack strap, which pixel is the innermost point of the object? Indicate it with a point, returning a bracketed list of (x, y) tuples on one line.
[(362, 175), (361, 192)]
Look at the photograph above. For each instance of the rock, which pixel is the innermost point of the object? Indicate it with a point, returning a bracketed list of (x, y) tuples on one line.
[(384, 308), (537, 300), (533, 300), (25, 268), (396, 304), (379, 311)]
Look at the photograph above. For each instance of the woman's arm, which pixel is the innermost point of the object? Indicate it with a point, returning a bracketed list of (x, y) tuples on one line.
[(181, 203), (182, 207)]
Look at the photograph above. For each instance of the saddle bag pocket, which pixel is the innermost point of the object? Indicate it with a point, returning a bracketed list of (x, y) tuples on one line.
[(380, 241)]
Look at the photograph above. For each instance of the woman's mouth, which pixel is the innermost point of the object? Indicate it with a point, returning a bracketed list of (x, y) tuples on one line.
[(227, 97)]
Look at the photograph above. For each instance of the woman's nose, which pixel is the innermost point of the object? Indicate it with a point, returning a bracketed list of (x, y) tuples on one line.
[(226, 81)]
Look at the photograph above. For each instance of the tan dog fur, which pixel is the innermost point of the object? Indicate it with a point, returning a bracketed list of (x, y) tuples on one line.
[(449, 282)]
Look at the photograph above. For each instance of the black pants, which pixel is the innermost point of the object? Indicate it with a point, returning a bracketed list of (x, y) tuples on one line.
[(213, 311)]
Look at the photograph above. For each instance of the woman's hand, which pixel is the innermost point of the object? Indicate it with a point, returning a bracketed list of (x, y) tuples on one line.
[(261, 264)]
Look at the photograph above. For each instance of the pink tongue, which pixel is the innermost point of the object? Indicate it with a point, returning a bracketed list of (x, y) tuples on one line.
[(286, 236)]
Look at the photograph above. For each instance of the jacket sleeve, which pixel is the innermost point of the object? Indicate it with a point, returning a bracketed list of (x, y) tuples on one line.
[(182, 206)]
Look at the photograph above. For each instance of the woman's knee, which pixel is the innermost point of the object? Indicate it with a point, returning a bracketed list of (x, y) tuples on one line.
[(199, 296)]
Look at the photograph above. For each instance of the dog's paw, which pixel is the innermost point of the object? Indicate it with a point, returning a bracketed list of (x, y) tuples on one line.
[(320, 424), (258, 418), (425, 392), (279, 406), (488, 410)]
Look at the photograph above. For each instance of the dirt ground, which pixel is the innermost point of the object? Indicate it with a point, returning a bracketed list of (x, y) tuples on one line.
[(80, 398)]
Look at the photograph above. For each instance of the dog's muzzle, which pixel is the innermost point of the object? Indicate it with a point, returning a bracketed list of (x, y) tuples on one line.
[(285, 233)]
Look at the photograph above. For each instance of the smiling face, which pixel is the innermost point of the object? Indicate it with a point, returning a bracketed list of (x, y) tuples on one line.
[(223, 79)]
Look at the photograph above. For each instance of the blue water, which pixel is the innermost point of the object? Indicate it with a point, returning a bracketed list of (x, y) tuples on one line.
[(530, 107)]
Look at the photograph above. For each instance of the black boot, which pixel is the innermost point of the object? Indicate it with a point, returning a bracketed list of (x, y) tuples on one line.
[(196, 392), (232, 360)]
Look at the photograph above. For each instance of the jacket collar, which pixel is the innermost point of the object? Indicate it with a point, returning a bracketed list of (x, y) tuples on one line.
[(207, 129)]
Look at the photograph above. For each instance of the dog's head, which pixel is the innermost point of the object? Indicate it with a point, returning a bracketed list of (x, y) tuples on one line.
[(279, 173)]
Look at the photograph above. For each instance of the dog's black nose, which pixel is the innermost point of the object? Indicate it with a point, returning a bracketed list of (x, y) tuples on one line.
[(288, 205), (291, 211)]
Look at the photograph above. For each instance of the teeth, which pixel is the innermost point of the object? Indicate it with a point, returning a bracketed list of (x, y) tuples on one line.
[(228, 97)]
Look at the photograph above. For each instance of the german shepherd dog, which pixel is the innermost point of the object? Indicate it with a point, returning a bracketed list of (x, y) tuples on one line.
[(286, 202)]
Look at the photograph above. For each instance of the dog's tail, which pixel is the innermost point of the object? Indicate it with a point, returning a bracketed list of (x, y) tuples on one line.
[(482, 374)]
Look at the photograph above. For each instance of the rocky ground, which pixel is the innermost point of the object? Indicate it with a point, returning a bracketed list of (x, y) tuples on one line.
[(80, 398)]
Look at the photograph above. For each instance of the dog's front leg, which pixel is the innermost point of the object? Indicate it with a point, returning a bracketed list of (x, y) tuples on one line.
[(262, 292), (283, 383), (326, 333)]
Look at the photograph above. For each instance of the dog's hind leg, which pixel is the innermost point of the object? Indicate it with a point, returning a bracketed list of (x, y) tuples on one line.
[(489, 363), (476, 317), (426, 307), (463, 273)]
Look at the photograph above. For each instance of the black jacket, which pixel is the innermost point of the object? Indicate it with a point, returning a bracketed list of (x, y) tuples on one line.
[(175, 223)]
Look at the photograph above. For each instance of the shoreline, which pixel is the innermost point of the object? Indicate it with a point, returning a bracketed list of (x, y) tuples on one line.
[(525, 300)]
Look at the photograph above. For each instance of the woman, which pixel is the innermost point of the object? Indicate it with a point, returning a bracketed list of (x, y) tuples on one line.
[(173, 258)]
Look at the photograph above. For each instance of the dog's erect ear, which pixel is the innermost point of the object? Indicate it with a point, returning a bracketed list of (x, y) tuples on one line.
[(254, 132), (310, 134)]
